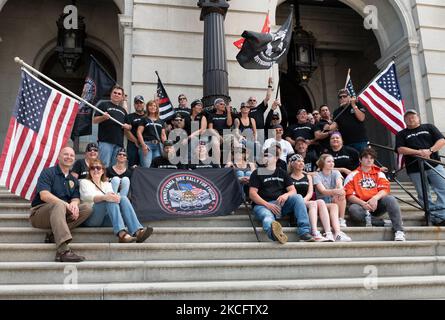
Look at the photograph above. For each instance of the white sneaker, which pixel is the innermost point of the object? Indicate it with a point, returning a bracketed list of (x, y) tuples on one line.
[(399, 236), (342, 222), (342, 237), (318, 237), (329, 236)]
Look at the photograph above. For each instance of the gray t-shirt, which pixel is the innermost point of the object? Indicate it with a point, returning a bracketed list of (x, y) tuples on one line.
[(329, 182)]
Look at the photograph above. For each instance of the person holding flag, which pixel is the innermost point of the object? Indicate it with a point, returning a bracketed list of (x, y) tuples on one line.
[(110, 133)]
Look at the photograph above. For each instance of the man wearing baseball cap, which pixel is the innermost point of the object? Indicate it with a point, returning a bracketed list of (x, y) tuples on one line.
[(424, 140), (134, 119), (350, 120), (301, 129)]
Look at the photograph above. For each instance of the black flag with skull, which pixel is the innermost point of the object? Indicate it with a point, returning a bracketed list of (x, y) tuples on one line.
[(262, 50)]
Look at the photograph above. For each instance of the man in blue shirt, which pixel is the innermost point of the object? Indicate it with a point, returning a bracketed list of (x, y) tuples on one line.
[(56, 205)]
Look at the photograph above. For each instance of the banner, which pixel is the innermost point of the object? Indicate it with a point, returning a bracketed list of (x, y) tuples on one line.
[(97, 87), (159, 194), (262, 50)]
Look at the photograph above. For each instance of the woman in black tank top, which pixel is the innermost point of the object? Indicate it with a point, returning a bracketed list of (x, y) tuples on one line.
[(304, 186)]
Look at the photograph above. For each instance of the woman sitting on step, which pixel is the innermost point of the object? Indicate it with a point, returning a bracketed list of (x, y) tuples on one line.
[(109, 208), (120, 174)]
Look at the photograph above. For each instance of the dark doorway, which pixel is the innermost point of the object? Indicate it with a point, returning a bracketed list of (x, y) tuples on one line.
[(75, 81), (293, 97)]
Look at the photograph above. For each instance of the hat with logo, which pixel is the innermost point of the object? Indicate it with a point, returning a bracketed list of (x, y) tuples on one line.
[(139, 98), (218, 100), (91, 146)]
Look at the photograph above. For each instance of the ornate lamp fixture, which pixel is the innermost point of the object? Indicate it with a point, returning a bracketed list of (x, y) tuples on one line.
[(70, 42), (304, 46)]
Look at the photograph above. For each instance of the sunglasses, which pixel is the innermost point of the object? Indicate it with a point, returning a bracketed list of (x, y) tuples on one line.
[(93, 150), (182, 98), (253, 100), (342, 96), (122, 154), (95, 168), (178, 119)]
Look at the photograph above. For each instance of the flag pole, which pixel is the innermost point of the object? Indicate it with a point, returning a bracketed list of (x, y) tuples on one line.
[(347, 77), (25, 65)]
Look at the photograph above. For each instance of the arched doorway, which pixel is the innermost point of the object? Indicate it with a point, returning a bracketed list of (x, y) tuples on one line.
[(293, 97)]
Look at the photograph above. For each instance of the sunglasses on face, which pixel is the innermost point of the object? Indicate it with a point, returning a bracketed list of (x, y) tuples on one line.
[(342, 96), (178, 120), (95, 168), (93, 150), (252, 100), (122, 154), (182, 98)]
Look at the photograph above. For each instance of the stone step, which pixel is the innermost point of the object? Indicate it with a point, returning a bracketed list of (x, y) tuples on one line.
[(238, 220), (415, 287), (217, 270), (223, 251), (217, 234)]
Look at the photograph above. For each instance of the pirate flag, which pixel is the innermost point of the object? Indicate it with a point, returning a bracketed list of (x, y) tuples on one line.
[(262, 50)]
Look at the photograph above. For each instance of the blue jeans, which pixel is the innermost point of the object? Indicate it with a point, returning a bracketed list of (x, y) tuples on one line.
[(155, 151), (241, 174), (108, 153), (123, 183), (294, 204), (117, 215), (359, 146), (438, 185)]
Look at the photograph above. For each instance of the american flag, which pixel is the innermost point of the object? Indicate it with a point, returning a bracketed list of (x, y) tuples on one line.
[(266, 29), (349, 86), (38, 129), (165, 105), (384, 101)]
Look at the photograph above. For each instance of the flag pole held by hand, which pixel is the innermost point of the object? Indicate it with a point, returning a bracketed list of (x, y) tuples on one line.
[(27, 66)]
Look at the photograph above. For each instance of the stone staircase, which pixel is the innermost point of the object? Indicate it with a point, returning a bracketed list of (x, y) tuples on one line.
[(219, 258)]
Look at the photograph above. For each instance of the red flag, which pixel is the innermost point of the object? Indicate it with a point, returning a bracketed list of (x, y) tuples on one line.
[(266, 29), (38, 129)]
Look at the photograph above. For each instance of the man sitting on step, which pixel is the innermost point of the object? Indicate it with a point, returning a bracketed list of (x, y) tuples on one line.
[(367, 190), (56, 205), (273, 195)]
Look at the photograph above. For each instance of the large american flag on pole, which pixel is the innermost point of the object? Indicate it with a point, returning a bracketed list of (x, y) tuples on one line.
[(40, 125), (384, 101)]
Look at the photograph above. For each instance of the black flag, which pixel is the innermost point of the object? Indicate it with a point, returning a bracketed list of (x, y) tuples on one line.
[(262, 50), (98, 84), (159, 194), (165, 105)]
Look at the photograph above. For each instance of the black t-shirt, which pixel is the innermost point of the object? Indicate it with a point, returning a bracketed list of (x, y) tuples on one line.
[(219, 122), (346, 157), (202, 165), (351, 129), (80, 167), (258, 114), (422, 137), (305, 130), (164, 163), (324, 143), (110, 131), (301, 185), (270, 186), (150, 128), (111, 173), (310, 161), (134, 119)]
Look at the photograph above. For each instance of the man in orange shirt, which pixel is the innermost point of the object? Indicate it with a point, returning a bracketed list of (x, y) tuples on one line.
[(367, 190)]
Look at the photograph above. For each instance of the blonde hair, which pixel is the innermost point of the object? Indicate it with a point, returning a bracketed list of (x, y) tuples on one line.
[(322, 161), (152, 102)]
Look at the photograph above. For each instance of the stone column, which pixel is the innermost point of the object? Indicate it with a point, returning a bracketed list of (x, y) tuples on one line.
[(126, 36), (215, 75)]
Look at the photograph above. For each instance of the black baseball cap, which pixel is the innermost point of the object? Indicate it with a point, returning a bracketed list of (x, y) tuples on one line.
[(195, 102), (91, 146), (178, 116), (139, 98)]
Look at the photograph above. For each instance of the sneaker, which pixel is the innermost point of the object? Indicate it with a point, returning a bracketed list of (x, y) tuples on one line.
[(307, 237), (342, 237), (399, 236), (342, 222), (318, 237), (329, 236), (278, 233)]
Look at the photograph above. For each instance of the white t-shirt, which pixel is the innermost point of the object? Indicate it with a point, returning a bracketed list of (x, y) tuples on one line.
[(286, 147)]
